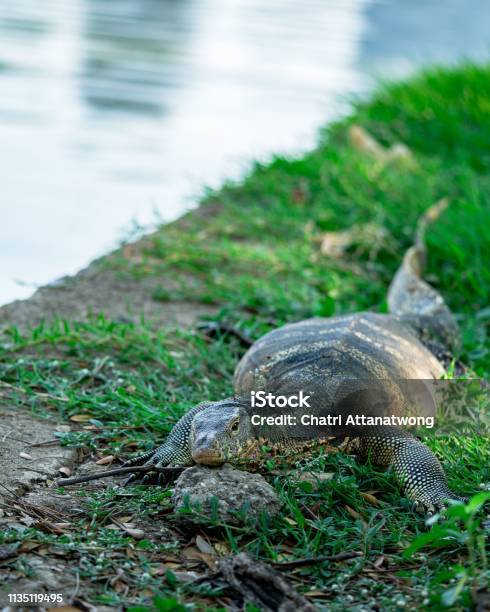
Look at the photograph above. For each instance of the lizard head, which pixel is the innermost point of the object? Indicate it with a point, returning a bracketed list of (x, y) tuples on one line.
[(220, 432)]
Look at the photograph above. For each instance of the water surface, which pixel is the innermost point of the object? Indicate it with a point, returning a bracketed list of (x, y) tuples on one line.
[(119, 112)]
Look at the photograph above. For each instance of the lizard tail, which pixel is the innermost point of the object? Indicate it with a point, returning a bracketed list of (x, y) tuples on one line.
[(413, 299)]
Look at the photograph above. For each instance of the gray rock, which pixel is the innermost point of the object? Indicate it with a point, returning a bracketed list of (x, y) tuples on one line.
[(224, 493)]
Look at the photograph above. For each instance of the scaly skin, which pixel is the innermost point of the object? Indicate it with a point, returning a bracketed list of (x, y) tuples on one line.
[(175, 451), (337, 359), (416, 468)]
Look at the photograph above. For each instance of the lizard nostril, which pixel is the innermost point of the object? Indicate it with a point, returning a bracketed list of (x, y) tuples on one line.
[(205, 451)]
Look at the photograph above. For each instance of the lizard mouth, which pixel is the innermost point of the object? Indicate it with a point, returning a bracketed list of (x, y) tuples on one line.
[(208, 457)]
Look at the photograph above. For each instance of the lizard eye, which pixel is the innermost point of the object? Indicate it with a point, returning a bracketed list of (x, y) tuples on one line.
[(234, 427)]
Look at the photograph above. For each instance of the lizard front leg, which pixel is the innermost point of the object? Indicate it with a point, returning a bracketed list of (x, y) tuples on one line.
[(416, 467), (175, 451)]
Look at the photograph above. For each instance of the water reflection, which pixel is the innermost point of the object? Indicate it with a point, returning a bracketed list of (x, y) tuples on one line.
[(401, 34), (111, 110), (135, 54)]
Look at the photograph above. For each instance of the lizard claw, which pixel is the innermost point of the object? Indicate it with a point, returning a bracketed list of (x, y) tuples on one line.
[(145, 478), (129, 480), (145, 458), (431, 507), (148, 478), (149, 459)]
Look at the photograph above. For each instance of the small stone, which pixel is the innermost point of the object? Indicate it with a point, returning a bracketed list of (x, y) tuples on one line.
[(238, 496)]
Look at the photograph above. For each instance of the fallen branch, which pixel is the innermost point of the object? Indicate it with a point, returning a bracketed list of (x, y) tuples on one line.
[(141, 469), (212, 329), (260, 584)]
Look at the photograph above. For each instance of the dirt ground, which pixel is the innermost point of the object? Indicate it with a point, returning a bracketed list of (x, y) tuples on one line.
[(99, 289), (30, 455)]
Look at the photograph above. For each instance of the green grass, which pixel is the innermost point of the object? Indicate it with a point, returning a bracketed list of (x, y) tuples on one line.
[(254, 251)]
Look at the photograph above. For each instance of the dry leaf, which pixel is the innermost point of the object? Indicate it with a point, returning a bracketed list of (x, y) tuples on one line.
[(173, 565), (316, 594), (379, 561), (315, 477), (204, 546), (399, 152), (353, 512), (137, 534), (374, 501), (81, 418), (130, 552), (132, 444), (168, 559), (367, 238), (186, 576), (29, 545), (159, 570), (334, 244), (105, 460), (194, 554), (362, 140), (287, 548)]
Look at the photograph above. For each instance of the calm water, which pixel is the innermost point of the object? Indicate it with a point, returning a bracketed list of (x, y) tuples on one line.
[(119, 112)]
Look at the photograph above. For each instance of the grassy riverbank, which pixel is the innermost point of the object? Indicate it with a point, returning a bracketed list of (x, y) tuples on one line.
[(254, 251)]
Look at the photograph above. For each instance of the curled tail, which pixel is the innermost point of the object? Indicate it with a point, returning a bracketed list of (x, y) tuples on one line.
[(412, 299)]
